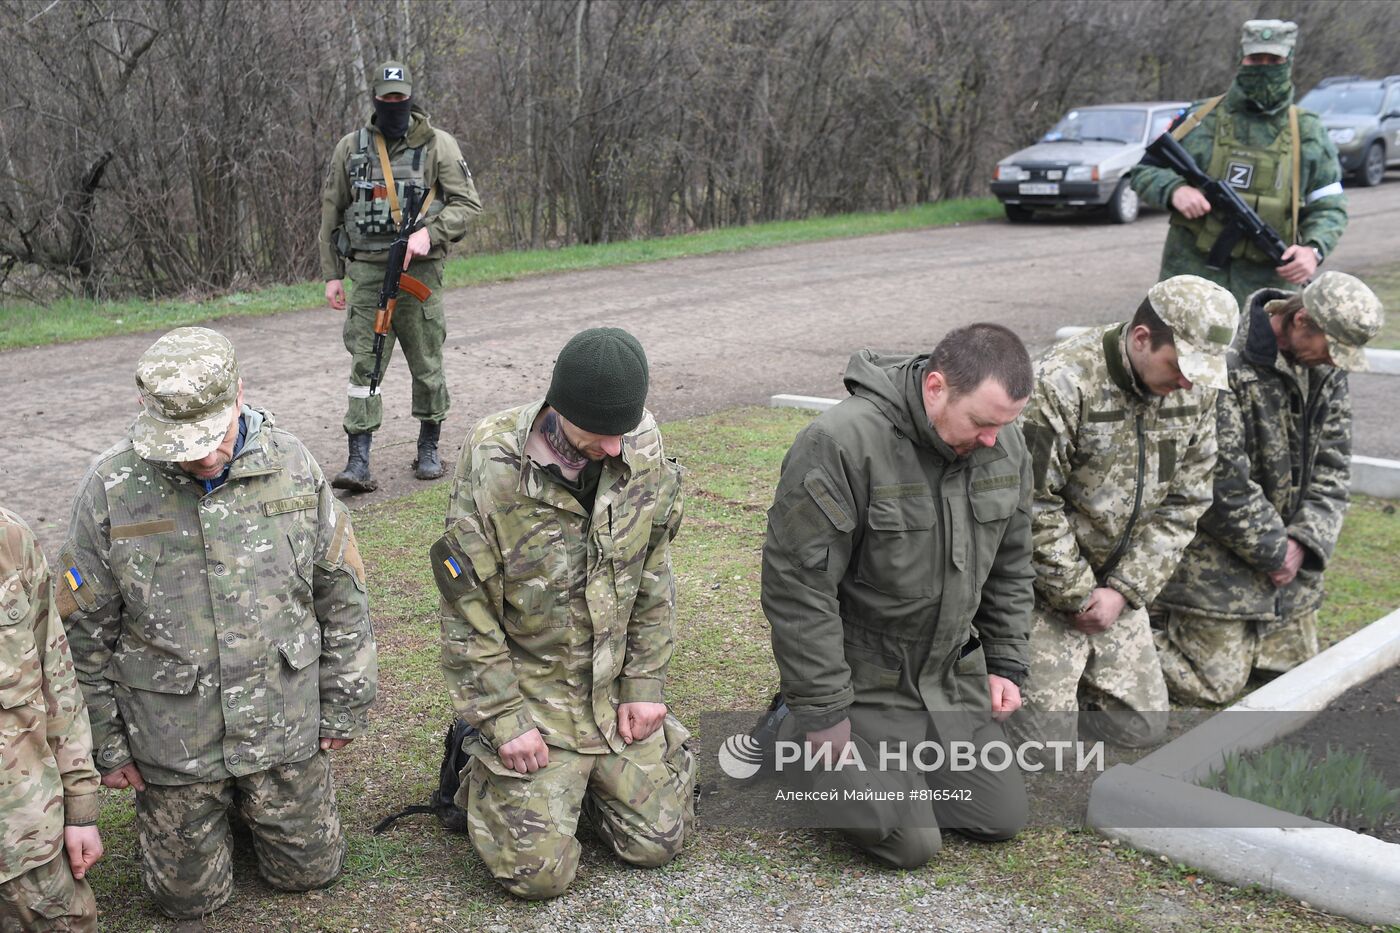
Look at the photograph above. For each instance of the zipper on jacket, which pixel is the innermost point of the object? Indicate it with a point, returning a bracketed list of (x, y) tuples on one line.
[(1111, 564)]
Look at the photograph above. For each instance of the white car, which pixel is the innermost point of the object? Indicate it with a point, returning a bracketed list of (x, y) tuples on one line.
[(1083, 161)]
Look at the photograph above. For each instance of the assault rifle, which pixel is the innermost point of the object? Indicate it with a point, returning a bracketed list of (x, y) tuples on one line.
[(1240, 218), (396, 280)]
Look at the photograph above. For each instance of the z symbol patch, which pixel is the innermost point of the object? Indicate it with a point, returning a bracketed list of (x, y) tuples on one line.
[(393, 74), (1239, 174)]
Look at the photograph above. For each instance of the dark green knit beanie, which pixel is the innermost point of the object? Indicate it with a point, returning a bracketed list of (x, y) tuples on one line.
[(600, 381)]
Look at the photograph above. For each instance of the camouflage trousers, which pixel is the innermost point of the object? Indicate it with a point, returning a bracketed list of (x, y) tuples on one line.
[(47, 898), (186, 851), (986, 805), (419, 329), (1242, 277), (1114, 673), (1207, 659), (640, 801)]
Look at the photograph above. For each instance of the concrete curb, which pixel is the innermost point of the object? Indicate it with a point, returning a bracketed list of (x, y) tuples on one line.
[(1334, 869), (1370, 476), (1384, 362)]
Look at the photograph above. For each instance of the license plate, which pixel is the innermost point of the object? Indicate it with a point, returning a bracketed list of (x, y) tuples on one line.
[(1037, 187)]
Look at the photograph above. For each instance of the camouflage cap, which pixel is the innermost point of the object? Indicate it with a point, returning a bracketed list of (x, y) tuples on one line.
[(1269, 37), (189, 387), (393, 78), (1202, 316), (1348, 312)]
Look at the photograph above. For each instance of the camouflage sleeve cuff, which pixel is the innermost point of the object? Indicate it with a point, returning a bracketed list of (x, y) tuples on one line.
[(81, 810), (343, 722), (643, 690), (814, 719), (507, 726), (1131, 594), (1016, 673)]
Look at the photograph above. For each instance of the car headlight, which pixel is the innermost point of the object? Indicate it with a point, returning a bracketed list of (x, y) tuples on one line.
[(1011, 173), (1082, 173), (1342, 136)]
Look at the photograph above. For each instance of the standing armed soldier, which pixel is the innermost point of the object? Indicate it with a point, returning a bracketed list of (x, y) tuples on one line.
[(1247, 590), (559, 622), (48, 786), (1121, 429), (365, 185), (1280, 160), (215, 601), (897, 580)]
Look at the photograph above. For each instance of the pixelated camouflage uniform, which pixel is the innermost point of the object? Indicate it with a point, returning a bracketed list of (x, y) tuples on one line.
[(1284, 433), (47, 779), (218, 636), (896, 576), (1322, 217), (551, 618), (1121, 476), (419, 327)]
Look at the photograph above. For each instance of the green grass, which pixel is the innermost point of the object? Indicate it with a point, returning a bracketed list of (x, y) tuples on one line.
[(1385, 282), (1363, 579), (1341, 787), (419, 878), (24, 325)]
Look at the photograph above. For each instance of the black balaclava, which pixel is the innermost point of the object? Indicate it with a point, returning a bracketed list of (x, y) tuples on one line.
[(392, 117), (1267, 87)]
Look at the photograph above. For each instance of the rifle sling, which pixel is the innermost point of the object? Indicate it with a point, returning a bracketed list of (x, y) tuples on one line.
[(388, 171), (1192, 120)]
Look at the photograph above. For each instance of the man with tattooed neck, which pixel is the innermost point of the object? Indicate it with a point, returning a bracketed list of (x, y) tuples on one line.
[(1278, 157), (558, 623), (366, 182)]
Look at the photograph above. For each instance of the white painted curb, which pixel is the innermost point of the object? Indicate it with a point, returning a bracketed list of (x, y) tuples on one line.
[(1370, 476), (1335, 869), (1384, 362)]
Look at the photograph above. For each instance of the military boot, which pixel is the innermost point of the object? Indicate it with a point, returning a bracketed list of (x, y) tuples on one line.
[(427, 465), (355, 477)]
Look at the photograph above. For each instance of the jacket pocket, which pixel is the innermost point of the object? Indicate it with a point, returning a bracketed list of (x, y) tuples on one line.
[(301, 692), (871, 673), (20, 664), (156, 701), (896, 557), (139, 559), (533, 567)]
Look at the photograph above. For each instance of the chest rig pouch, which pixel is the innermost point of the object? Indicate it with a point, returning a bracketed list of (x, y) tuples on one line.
[(1263, 178), (368, 220)]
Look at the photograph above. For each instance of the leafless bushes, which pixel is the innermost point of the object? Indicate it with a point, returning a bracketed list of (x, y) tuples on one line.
[(153, 147)]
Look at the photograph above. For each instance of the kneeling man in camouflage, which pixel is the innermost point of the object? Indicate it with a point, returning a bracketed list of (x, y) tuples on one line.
[(558, 624)]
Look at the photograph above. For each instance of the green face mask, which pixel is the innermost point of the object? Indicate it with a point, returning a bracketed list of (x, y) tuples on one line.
[(1266, 86)]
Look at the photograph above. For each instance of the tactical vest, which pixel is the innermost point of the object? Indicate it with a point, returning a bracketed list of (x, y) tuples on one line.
[(1263, 178), (368, 221)]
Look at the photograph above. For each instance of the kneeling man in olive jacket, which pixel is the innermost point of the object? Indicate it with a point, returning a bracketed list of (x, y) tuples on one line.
[(897, 579)]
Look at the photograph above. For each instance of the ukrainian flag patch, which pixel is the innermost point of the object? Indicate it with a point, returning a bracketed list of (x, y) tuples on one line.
[(74, 578), (453, 567)]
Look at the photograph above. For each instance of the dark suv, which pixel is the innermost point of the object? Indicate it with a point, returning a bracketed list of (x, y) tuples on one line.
[(1363, 118)]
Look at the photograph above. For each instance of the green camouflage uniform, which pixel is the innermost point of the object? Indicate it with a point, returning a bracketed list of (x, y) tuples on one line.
[(1322, 217), (551, 619), (1284, 432), (896, 575), (218, 636), (47, 779), (419, 327), (1121, 476)]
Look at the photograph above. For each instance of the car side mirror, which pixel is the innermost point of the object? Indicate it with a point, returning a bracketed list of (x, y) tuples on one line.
[(1391, 115)]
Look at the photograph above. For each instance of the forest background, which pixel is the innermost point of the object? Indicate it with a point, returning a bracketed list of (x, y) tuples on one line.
[(152, 148)]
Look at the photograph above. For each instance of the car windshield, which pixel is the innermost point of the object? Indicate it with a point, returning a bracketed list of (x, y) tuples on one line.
[(1118, 126), (1342, 98)]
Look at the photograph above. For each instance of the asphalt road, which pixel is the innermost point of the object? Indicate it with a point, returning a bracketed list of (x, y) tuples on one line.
[(720, 331)]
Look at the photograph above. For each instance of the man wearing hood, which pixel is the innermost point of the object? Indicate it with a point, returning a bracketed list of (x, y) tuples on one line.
[(365, 184), (1280, 160), (897, 578), (1246, 593), (215, 604), (1121, 429)]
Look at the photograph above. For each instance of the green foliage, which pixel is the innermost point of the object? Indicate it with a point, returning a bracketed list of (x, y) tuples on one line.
[(25, 325), (1342, 788)]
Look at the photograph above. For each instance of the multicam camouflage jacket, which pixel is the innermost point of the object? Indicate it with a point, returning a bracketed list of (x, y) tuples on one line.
[(216, 634), (1285, 463), (1121, 476), (552, 617), (895, 572), (46, 775)]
